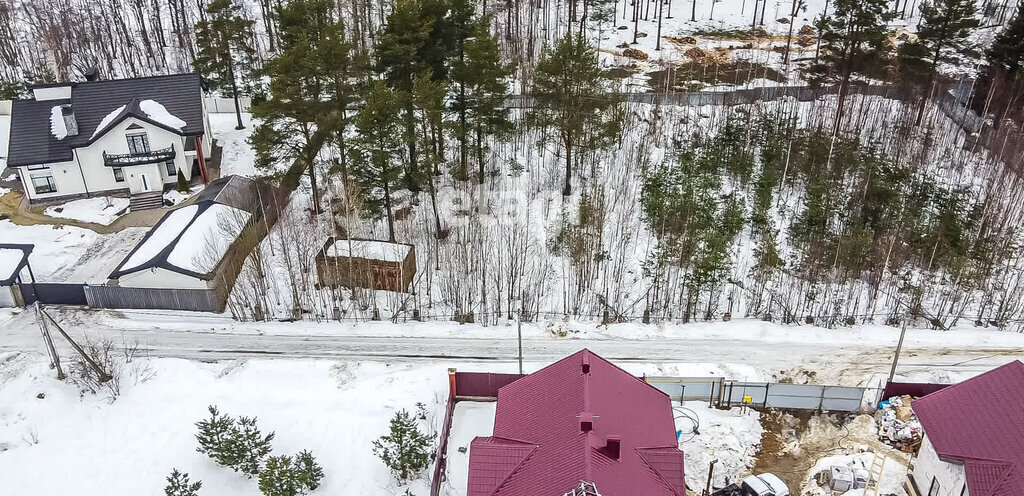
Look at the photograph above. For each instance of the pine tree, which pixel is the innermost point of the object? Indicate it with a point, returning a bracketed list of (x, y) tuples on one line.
[(428, 96), (376, 150), (463, 27), (213, 437), (1006, 58), (405, 450), (571, 97), (400, 54), (943, 36), (178, 484), (224, 38), (281, 477), (852, 40), (486, 82), (310, 472), (299, 84), (182, 182), (248, 446)]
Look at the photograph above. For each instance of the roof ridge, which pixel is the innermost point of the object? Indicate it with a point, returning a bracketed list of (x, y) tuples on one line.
[(945, 391), (1006, 466), (514, 470)]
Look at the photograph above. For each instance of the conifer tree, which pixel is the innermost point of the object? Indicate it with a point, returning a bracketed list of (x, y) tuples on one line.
[(485, 78), (943, 36), (224, 38), (213, 437), (428, 96), (249, 446), (405, 450), (400, 56), (310, 472), (182, 182), (852, 40), (178, 484), (281, 477), (1006, 58), (376, 150), (571, 97)]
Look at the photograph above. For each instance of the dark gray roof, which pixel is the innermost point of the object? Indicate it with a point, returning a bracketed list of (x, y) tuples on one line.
[(237, 191), (91, 101), (31, 140), (25, 250)]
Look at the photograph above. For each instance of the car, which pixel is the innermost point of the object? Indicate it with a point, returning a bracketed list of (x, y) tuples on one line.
[(764, 485)]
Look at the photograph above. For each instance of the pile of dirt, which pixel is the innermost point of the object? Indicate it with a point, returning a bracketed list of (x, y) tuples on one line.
[(806, 30), (633, 53), (695, 53), (805, 41), (685, 40)]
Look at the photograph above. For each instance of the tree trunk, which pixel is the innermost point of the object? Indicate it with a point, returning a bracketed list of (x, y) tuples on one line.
[(567, 190), (234, 91), (387, 206)]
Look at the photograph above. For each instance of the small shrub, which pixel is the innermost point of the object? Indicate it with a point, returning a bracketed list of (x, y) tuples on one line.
[(405, 450), (236, 444), (182, 183), (178, 484), (310, 471), (281, 477)]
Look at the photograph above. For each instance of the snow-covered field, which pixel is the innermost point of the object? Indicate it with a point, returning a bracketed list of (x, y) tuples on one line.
[(100, 210), (128, 446)]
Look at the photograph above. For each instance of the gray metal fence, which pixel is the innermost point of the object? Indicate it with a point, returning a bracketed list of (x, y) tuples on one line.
[(198, 300), (718, 391)]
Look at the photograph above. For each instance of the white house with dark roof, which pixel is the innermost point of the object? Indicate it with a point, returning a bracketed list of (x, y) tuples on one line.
[(125, 137)]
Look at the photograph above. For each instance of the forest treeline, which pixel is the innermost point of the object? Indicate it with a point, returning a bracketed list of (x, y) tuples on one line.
[(844, 210)]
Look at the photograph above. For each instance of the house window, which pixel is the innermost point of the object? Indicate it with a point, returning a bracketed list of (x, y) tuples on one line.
[(172, 171), (42, 182), (118, 174), (934, 489), (138, 143)]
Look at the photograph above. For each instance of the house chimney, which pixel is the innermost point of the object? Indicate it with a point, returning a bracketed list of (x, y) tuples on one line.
[(586, 363), (586, 422), (69, 119), (614, 446), (92, 74)]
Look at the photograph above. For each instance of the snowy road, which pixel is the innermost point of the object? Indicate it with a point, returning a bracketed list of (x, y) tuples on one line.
[(849, 357)]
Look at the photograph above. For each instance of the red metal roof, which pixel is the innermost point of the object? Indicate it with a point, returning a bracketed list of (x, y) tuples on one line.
[(981, 423), (539, 449)]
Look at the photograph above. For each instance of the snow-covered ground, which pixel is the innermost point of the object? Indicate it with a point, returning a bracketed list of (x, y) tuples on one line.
[(238, 157), (894, 472), (56, 248), (100, 210), (128, 447)]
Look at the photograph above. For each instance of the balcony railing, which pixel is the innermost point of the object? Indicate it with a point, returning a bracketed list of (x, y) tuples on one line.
[(129, 159)]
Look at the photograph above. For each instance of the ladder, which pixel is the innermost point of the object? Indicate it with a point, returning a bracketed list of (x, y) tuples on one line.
[(875, 474)]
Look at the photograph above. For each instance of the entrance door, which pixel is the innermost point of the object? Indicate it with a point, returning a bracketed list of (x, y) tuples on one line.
[(144, 179)]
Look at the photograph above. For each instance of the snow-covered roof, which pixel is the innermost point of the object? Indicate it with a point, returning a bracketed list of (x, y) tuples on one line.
[(13, 258), (369, 249), (107, 120), (191, 240), (160, 115), (58, 128)]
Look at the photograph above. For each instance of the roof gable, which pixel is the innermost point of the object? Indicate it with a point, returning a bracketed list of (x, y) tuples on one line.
[(545, 408), (986, 439)]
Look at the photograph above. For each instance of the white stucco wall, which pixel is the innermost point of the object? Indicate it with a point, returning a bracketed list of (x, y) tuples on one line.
[(161, 278), (86, 173), (928, 466), (66, 177)]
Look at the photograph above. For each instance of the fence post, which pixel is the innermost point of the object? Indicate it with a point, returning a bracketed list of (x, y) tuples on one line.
[(821, 399), (766, 386), (451, 383)]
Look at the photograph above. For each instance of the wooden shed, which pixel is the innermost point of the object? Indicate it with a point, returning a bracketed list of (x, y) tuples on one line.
[(366, 263)]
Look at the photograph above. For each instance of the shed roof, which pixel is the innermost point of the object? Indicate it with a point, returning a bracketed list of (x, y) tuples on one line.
[(980, 422), (13, 258), (538, 447), (93, 102)]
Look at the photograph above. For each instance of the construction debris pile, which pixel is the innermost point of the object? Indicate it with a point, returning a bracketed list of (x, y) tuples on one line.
[(897, 425)]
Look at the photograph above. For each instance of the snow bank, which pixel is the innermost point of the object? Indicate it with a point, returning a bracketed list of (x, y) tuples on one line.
[(733, 437), (470, 419), (128, 447), (9, 261), (57, 250), (168, 230), (176, 197), (107, 120), (156, 111), (374, 250), (204, 243), (57, 127), (102, 210)]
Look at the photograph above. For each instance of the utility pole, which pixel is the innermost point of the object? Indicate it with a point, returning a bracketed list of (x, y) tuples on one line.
[(519, 325), (899, 347), (100, 373), (54, 358)]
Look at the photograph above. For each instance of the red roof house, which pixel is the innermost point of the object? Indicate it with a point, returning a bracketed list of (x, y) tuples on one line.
[(579, 420), (976, 428)]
